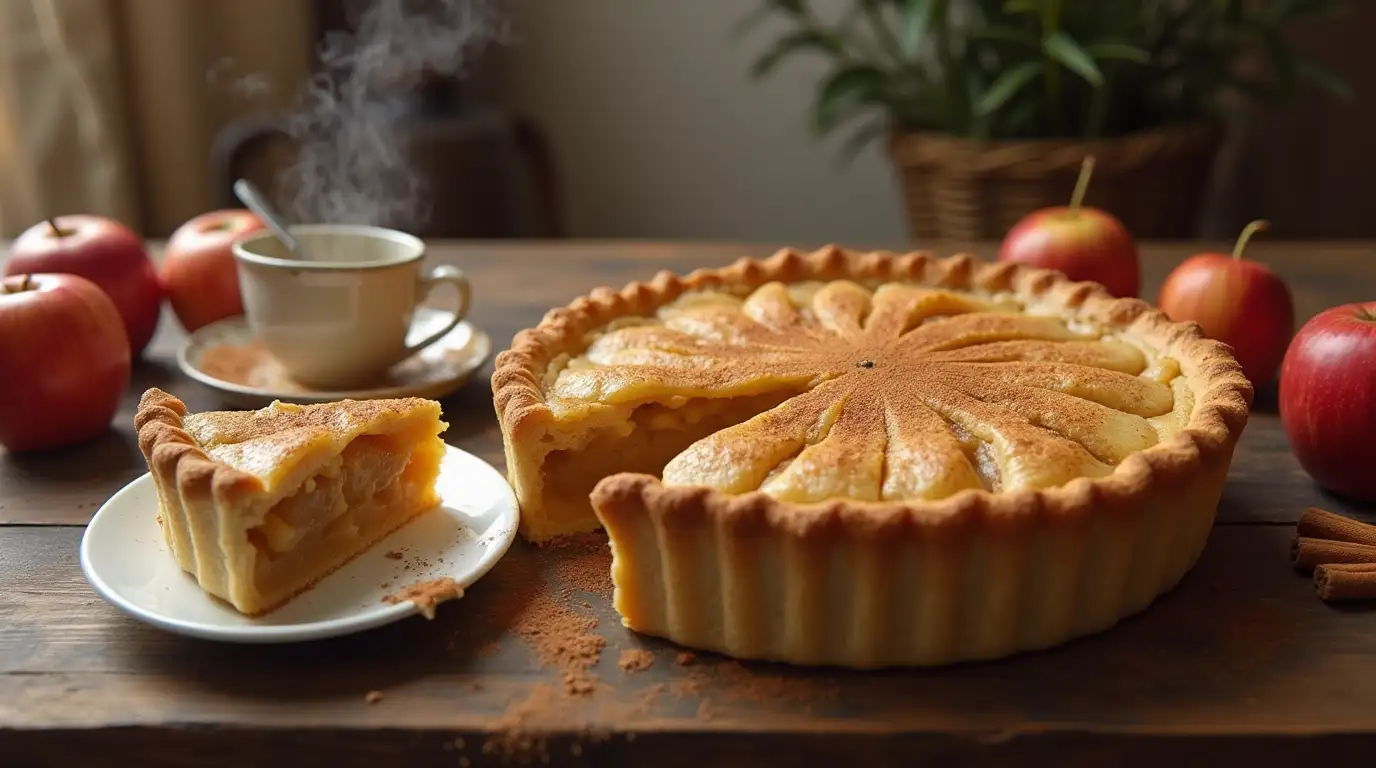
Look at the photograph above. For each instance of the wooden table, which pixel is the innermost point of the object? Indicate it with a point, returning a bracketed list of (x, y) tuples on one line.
[(1241, 661)]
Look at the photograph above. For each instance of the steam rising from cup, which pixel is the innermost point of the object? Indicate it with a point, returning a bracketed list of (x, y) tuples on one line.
[(352, 164)]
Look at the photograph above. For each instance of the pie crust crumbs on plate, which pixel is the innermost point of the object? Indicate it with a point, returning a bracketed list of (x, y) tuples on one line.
[(872, 459)]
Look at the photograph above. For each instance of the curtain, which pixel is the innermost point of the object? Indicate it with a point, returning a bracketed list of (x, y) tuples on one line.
[(111, 106)]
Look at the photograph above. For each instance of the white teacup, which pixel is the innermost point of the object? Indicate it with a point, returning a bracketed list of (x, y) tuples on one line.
[(340, 319)]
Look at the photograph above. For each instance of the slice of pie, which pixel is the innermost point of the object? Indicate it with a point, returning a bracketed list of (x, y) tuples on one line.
[(260, 505), (871, 459)]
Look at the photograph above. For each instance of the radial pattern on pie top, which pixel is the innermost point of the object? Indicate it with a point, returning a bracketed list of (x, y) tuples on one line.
[(905, 391)]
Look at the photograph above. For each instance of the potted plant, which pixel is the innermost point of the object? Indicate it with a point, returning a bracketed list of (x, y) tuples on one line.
[(990, 106)]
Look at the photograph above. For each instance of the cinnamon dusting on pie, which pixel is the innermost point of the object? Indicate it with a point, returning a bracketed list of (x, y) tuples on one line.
[(427, 594)]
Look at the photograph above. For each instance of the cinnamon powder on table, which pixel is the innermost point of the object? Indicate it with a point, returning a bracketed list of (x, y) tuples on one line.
[(554, 623), (730, 681), (544, 608), (635, 660), (562, 637), (427, 594)]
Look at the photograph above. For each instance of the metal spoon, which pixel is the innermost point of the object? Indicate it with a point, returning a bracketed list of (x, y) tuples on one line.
[(251, 196)]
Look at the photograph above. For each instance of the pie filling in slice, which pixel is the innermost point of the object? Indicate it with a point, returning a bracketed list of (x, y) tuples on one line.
[(872, 459), (260, 505)]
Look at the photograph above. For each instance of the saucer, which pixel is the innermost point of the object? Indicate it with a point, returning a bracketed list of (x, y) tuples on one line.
[(127, 562), (226, 357)]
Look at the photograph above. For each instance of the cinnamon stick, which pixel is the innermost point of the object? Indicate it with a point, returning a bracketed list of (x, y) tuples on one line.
[(1341, 582), (1308, 552), (1321, 524)]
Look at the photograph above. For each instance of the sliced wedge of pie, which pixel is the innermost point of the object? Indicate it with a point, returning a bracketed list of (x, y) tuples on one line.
[(260, 505), (872, 459)]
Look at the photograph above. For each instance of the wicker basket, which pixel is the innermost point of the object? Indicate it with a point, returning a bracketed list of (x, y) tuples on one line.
[(963, 190)]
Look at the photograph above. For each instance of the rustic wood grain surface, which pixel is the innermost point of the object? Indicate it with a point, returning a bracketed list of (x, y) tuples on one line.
[(1240, 662)]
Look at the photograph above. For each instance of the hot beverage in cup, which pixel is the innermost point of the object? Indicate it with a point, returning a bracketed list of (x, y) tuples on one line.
[(339, 319)]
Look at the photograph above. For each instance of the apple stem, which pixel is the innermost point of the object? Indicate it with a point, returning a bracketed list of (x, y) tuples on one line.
[(1081, 184), (1247, 232), (25, 282), (57, 231)]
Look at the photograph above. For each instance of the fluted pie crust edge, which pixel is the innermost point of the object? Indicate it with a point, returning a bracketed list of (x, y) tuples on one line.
[(976, 575), (202, 504)]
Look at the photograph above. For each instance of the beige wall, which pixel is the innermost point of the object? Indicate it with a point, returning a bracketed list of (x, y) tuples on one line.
[(660, 131)]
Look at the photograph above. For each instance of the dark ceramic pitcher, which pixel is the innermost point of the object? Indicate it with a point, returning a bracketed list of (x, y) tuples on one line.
[(487, 173)]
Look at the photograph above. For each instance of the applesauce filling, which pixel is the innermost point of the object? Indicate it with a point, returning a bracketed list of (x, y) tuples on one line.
[(355, 498), (644, 441)]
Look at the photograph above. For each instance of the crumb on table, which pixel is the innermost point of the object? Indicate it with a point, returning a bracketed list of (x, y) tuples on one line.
[(427, 594)]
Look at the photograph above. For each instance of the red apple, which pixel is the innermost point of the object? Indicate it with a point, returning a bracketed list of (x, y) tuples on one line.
[(198, 269), (1083, 243), (64, 361), (1239, 302), (1328, 399), (103, 251)]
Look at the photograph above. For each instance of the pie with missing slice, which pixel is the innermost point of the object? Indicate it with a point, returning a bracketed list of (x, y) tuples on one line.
[(260, 505), (871, 459)]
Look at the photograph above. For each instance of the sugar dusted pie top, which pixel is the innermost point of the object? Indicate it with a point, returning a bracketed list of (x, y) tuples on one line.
[(899, 391), (268, 442)]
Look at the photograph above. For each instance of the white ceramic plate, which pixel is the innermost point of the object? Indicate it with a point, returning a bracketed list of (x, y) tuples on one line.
[(434, 372), (125, 560)]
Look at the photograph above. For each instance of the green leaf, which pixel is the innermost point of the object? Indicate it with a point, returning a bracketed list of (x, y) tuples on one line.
[(1282, 11), (843, 93), (1118, 51), (1323, 77), (1061, 48), (795, 42), (1006, 87), (917, 18), (1263, 92), (1021, 119), (1282, 62), (1005, 34), (1023, 6), (917, 109), (1278, 10), (856, 142), (1230, 10)]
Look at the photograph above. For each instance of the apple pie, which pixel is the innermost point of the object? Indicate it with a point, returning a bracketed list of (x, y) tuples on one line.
[(260, 505), (872, 459)]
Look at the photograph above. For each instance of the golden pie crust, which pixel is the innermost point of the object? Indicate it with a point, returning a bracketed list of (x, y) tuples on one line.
[(872, 459), (260, 505)]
